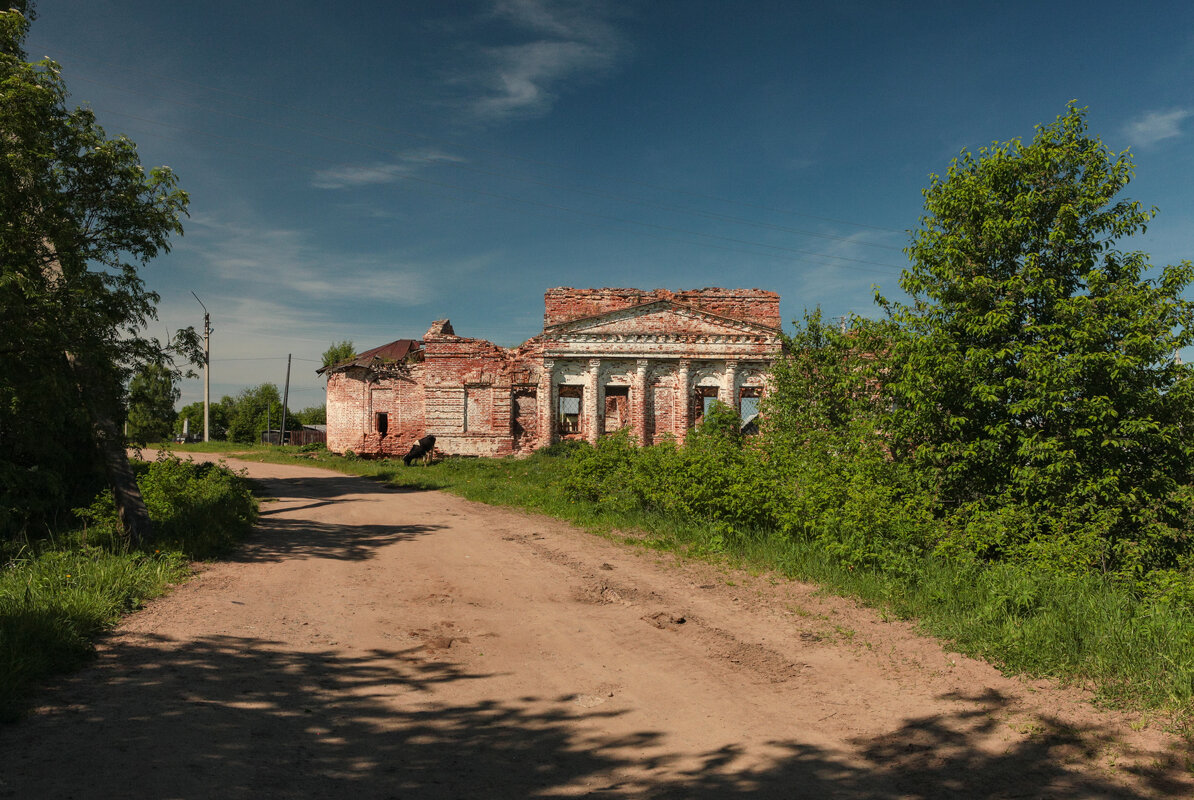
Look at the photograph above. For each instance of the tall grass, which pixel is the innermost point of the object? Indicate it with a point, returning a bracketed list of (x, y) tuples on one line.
[(55, 602), (59, 593)]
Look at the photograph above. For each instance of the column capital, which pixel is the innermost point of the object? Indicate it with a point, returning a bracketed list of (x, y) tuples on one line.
[(642, 364)]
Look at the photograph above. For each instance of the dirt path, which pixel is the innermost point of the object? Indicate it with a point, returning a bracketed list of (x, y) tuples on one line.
[(378, 643)]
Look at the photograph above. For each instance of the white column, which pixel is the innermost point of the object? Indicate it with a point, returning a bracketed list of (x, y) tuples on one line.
[(683, 401), (545, 402), (593, 398), (728, 381), (638, 409)]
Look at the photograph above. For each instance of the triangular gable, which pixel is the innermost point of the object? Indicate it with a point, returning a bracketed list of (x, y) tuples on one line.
[(662, 318)]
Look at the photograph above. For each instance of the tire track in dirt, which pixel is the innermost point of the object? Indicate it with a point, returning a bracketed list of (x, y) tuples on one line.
[(386, 643)]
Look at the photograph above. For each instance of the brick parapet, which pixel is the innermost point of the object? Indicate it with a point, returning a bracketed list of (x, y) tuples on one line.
[(564, 304)]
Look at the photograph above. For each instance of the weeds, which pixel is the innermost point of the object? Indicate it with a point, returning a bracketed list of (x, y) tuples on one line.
[(59, 593)]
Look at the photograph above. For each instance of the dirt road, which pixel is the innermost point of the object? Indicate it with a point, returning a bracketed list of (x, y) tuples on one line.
[(378, 643)]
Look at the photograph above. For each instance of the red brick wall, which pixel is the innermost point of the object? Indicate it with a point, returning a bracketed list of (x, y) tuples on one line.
[(563, 304), (344, 410), (353, 405), (468, 392), (754, 305), (473, 380)]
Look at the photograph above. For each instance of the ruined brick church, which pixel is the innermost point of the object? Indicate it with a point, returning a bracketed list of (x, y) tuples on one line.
[(650, 361)]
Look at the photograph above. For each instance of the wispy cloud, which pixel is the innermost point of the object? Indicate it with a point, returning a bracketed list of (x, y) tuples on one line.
[(851, 282), (568, 41), (353, 175), (1156, 126), (284, 262)]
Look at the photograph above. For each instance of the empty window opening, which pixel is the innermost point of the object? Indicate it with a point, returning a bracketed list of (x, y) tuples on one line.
[(748, 405), (617, 408), (569, 410), (702, 400), (383, 423)]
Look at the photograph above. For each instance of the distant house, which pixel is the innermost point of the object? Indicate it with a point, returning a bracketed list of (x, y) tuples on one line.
[(650, 361)]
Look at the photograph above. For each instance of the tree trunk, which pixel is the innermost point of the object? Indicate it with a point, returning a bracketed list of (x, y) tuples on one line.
[(134, 516), (130, 506)]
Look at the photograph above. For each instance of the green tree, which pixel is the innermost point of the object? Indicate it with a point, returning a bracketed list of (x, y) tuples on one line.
[(315, 415), (1034, 372), (253, 409), (827, 437), (79, 217), (192, 414), (339, 351), (152, 395)]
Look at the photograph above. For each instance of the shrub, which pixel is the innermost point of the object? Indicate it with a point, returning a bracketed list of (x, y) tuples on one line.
[(199, 509), (713, 478), (565, 448)]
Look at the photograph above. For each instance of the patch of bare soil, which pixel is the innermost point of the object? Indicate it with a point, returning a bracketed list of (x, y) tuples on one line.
[(372, 643)]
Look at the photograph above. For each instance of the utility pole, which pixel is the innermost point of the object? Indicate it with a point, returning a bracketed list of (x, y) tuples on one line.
[(285, 400), (206, 370)]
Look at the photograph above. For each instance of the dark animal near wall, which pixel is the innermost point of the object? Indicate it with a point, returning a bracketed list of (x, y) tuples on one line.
[(421, 449)]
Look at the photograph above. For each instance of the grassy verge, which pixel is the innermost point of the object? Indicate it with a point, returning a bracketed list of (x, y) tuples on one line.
[(1086, 632), (58, 594), (56, 599)]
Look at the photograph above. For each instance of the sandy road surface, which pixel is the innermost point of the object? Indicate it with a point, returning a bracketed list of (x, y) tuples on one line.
[(378, 643)]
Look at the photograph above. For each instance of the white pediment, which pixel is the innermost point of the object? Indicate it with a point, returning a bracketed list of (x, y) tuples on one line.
[(662, 319)]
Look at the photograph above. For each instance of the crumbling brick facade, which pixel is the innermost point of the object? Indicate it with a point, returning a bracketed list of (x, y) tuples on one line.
[(607, 359)]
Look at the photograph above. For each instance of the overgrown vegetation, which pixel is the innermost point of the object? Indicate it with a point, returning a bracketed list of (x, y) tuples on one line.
[(80, 217), (1005, 458), (58, 593)]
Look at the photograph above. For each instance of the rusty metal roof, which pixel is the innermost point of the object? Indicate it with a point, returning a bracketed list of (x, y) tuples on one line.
[(394, 352)]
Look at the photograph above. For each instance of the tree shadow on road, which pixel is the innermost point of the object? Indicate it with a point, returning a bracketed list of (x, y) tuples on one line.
[(277, 537), (234, 717)]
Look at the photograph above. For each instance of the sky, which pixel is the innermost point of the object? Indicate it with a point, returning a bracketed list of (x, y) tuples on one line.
[(357, 170)]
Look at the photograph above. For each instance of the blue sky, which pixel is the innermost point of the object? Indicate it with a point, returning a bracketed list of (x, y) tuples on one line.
[(357, 170)]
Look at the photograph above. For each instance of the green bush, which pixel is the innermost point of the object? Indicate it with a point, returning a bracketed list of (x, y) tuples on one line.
[(57, 595), (199, 509), (202, 509), (714, 478), (565, 448)]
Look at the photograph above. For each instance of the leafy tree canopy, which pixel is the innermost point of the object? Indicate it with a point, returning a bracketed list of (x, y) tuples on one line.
[(315, 415), (79, 218), (152, 395), (255, 408), (1034, 368), (192, 414)]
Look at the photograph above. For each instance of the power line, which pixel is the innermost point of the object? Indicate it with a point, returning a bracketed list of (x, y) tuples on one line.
[(266, 358)]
